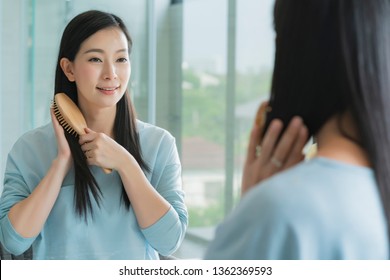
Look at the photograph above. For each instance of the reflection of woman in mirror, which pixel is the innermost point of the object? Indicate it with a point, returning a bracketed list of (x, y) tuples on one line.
[(56, 197)]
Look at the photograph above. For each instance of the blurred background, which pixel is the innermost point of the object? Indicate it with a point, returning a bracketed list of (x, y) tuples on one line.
[(200, 68)]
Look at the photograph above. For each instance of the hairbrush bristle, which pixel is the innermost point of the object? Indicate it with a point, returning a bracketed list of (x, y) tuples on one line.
[(70, 117), (61, 120)]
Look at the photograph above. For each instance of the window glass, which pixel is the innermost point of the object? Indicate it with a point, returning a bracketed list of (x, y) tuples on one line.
[(204, 105), (213, 137)]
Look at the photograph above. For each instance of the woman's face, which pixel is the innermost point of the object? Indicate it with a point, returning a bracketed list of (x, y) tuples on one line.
[(101, 69)]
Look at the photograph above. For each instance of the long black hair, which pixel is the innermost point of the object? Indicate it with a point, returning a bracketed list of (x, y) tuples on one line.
[(333, 56), (125, 131)]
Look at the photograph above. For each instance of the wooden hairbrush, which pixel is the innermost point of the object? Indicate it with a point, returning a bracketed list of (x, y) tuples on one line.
[(70, 117)]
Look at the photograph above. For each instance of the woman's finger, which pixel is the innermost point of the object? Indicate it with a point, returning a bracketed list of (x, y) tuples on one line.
[(256, 133), (296, 154), (86, 138), (270, 139), (253, 143), (287, 140), (54, 121), (87, 146), (260, 119)]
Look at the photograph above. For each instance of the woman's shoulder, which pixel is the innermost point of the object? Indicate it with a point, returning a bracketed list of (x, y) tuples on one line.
[(314, 201), (304, 184), (308, 186), (39, 140), (158, 146), (33, 152), (153, 132), (317, 173)]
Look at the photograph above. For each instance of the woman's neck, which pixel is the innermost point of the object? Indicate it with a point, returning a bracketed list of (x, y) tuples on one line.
[(333, 143), (101, 120)]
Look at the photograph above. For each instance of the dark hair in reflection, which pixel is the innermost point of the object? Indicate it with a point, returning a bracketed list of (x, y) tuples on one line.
[(333, 56), (76, 32)]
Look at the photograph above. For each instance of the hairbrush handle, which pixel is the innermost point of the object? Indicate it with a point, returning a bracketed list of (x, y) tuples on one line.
[(107, 170)]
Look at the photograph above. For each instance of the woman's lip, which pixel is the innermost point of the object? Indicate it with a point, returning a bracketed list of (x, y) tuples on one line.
[(107, 90)]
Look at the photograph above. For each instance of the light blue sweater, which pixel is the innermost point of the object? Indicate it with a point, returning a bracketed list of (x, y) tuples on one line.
[(113, 233), (320, 209)]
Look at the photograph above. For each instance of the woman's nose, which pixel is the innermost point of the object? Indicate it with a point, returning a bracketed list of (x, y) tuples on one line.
[(109, 72)]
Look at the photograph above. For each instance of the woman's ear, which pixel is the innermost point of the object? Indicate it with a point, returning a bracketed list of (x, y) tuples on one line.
[(67, 68)]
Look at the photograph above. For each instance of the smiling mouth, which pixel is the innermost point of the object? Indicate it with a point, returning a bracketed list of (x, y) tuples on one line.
[(107, 88)]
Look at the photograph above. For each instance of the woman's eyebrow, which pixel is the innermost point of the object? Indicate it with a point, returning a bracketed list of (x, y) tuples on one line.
[(102, 51)]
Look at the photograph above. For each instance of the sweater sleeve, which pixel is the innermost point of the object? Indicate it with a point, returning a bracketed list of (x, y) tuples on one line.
[(15, 190), (168, 232)]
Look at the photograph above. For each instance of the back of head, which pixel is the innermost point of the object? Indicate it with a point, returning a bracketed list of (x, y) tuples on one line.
[(333, 56), (308, 79)]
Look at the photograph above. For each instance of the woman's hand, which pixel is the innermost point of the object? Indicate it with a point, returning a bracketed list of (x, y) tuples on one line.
[(272, 156), (101, 150), (64, 154)]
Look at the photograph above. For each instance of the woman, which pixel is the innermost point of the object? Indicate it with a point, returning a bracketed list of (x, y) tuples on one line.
[(332, 69), (56, 196)]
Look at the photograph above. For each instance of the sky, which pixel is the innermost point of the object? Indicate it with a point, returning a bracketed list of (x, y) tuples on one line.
[(205, 34)]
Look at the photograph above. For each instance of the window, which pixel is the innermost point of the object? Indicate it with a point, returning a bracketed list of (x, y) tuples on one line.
[(226, 73)]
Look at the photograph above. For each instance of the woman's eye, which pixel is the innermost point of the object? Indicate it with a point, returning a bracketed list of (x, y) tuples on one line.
[(95, 59), (122, 59)]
